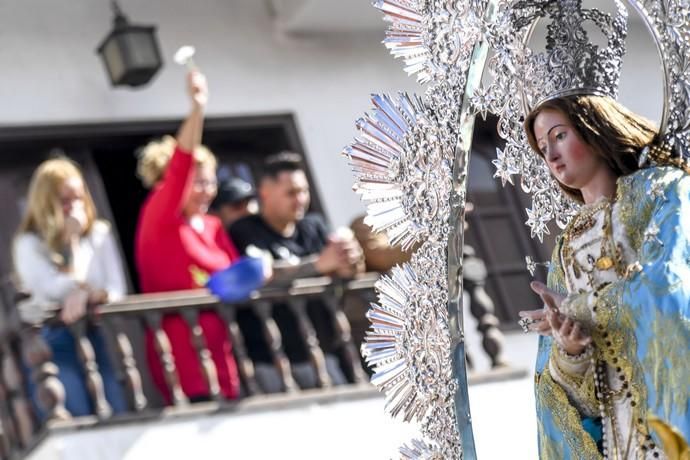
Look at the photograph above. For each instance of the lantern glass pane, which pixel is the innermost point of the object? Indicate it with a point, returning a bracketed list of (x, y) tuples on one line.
[(114, 61), (141, 49)]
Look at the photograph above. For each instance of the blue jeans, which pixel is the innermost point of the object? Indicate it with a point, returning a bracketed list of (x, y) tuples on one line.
[(71, 372)]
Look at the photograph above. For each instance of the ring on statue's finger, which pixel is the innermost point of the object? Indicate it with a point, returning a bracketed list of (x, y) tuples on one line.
[(525, 323)]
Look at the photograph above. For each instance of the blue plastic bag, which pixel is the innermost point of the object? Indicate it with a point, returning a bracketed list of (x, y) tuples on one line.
[(238, 281)]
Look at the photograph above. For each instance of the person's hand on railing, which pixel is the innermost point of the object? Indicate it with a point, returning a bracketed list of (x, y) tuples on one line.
[(74, 306), (353, 254), (334, 257), (354, 260), (97, 297), (266, 259)]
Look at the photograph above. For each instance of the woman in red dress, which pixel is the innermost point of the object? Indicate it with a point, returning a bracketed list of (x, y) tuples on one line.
[(179, 245)]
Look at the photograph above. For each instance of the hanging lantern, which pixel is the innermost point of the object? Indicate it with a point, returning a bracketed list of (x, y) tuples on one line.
[(130, 53)]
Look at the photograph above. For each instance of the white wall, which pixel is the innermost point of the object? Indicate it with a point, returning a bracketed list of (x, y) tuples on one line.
[(340, 430), (50, 73)]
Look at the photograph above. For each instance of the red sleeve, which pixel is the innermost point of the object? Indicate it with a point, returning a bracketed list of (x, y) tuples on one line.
[(169, 195)]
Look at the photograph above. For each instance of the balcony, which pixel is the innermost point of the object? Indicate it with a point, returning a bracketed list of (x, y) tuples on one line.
[(300, 423)]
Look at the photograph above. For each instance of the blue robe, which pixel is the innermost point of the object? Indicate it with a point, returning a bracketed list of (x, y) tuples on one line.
[(642, 325)]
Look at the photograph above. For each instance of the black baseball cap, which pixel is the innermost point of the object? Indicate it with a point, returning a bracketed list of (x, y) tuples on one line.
[(233, 190)]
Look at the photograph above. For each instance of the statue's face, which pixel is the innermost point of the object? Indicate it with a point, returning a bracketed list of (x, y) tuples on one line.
[(571, 161)]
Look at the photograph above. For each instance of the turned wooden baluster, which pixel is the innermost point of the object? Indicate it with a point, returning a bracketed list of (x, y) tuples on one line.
[(5, 443), (155, 322), (334, 300), (50, 392), (482, 308), (275, 345), (244, 362), (12, 375), (130, 377), (94, 381), (17, 398), (208, 367), (299, 307), (8, 432)]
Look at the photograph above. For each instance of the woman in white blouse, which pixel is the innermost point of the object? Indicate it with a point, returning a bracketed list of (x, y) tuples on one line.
[(68, 261)]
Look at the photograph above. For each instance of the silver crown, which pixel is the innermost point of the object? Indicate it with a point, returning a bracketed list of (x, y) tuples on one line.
[(523, 78), (571, 64)]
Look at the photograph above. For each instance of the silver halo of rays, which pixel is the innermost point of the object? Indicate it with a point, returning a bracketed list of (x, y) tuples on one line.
[(402, 160), (405, 179), (669, 23)]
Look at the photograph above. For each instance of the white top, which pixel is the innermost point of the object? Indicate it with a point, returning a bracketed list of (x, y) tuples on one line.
[(97, 263), (589, 246)]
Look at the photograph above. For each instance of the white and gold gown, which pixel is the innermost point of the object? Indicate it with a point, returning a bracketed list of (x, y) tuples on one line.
[(625, 269)]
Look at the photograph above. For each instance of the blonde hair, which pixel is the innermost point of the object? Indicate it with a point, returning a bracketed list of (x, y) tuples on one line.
[(614, 133), (155, 156), (44, 215)]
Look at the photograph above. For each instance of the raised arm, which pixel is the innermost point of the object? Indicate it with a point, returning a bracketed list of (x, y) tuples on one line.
[(189, 134), (170, 194)]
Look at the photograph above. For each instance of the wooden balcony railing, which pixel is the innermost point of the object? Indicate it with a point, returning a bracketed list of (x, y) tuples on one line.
[(24, 355)]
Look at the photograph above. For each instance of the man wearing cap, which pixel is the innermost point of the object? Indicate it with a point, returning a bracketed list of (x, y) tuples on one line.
[(236, 198)]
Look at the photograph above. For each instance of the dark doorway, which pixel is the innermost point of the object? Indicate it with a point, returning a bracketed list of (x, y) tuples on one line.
[(497, 230)]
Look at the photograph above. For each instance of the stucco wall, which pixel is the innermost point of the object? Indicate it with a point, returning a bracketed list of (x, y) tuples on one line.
[(50, 73)]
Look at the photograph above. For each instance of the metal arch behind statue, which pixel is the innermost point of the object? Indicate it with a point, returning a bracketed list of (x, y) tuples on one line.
[(673, 45), (411, 164)]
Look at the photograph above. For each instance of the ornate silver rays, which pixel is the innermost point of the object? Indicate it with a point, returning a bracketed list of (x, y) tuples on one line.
[(405, 163), (410, 161), (403, 189), (669, 23)]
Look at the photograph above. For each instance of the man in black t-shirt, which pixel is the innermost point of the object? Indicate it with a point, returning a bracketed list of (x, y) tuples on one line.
[(301, 246)]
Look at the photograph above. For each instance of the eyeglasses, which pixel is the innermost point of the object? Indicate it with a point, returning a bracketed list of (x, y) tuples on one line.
[(205, 184)]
